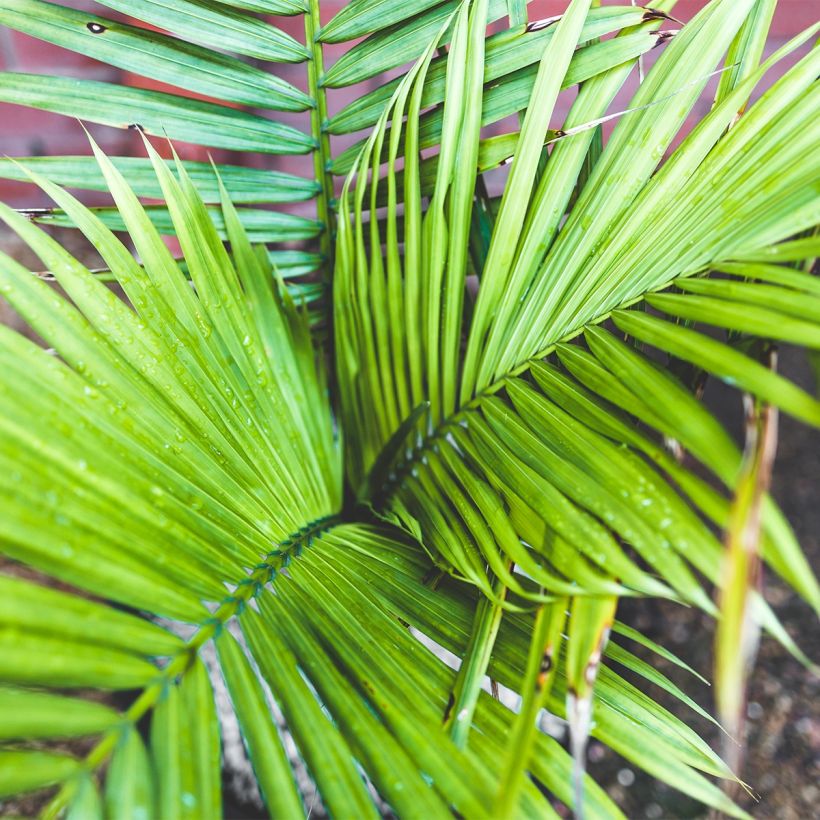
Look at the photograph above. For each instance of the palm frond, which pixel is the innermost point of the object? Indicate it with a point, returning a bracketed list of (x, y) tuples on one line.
[(245, 186), (504, 472), (207, 492), (494, 460), (213, 99)]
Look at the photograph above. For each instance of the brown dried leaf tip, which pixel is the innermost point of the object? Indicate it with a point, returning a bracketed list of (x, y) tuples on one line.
[(544, 669), (663, 36), (34, 213), (538, 25), (657, 14)]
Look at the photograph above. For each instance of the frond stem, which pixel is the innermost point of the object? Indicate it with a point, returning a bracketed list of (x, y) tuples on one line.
[(247, 588), (318, 119), (403, 469), (458, 716)]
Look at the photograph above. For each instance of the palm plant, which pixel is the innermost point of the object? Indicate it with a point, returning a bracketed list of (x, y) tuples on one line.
[(432, 411)]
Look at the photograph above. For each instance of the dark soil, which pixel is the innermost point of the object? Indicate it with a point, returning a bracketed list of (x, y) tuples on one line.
[(782, 756)]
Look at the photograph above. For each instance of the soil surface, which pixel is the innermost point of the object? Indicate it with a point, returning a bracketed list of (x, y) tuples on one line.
[(782, 755)]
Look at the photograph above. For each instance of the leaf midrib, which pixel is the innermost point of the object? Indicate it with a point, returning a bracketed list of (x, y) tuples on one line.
[(179, 664), (394, 486)]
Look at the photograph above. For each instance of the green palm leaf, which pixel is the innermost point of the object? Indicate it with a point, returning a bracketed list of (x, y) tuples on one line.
[(154, 55), (539, 288), (440, 410), (244, 185)]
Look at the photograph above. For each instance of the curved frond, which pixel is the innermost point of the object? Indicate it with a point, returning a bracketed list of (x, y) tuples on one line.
[(527, 481)]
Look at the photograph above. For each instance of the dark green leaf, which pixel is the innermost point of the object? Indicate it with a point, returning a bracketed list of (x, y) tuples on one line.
[(154, 112)]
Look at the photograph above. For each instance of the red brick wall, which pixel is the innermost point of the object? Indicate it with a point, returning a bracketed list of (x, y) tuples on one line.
[(27, 132)]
